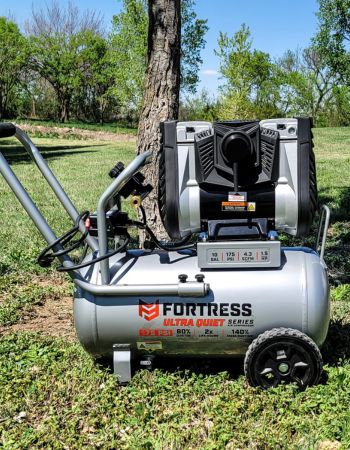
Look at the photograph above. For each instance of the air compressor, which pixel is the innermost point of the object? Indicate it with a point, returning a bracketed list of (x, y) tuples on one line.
[(222, 285)]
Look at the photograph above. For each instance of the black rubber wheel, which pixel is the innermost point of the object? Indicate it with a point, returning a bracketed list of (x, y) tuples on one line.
[(283, 354)]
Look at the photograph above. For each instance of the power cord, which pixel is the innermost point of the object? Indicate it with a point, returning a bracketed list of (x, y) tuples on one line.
[(46, 257), (169, 246)]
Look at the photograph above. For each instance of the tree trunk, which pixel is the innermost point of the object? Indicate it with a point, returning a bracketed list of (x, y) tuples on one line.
[(102, 112), (33, 114), (1, 106), (161, 92), (64, 109)]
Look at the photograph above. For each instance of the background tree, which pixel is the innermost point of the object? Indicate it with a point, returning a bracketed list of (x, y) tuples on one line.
[(251, 87), (94, 97), (76, 71), (332, 43), (193, 31), (161, 90), (333, 37), (129, 49), (203, 106), (306, 83), (13, 59), (39, 99), (128, 42), (65, 45)]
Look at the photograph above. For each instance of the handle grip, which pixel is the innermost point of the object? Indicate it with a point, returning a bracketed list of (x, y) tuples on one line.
[(7, 130)]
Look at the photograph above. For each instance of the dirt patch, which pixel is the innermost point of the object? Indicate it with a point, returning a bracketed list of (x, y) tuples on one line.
[(77, 133), (53, 318)]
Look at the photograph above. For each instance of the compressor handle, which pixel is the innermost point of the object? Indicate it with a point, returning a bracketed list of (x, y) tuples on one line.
[(123, 177), (322, 230), (189, 289), (7, 130)]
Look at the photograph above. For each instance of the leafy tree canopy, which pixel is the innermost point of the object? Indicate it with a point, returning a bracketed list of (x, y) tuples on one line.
[(66, 49), (13, 57), (129, 49), (251, 86), (333, 36)]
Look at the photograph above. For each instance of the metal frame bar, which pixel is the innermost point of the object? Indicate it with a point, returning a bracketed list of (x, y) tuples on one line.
[(53, 183), (188, 289), (116, 186), (325, 217), (31, 208)]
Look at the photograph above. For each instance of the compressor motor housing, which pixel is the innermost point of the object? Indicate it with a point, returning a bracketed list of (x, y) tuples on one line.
[(218, 177)]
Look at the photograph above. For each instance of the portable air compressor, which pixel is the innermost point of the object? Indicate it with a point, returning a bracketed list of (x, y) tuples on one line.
[(222, 285)]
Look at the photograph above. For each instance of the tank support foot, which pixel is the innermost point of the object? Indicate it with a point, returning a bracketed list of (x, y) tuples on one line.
[(122, 362)]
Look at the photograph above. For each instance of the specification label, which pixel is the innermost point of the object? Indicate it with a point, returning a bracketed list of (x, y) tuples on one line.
[(255, 255)]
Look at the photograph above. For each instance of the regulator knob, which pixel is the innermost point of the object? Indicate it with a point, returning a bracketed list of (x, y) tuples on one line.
[(200, 277)]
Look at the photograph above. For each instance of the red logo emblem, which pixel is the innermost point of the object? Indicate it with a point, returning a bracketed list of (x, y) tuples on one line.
[(148, 311)]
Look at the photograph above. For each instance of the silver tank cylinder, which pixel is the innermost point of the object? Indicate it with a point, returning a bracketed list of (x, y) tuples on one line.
[(241, 304)]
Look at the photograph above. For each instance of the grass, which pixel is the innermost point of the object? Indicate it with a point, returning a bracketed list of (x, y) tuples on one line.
[(333, 164), (54, 396)]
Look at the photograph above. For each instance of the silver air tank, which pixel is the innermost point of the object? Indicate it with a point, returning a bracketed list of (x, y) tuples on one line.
[(240, 305)]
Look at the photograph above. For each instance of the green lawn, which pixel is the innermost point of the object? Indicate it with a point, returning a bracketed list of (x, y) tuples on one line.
[(53, 396)]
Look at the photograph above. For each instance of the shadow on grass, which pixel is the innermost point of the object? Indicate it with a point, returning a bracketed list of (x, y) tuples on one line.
[(337, 345), (185, 366), (342, 211), (17, 154), (202, 366), (338, 246)]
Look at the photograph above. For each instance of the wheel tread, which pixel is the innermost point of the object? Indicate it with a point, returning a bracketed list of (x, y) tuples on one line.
[(279, 333)]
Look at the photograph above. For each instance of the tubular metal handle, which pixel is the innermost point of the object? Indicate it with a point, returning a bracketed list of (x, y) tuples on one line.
[(189, 289), (8, 129), (112, 189), (60, 193), (322, 231)]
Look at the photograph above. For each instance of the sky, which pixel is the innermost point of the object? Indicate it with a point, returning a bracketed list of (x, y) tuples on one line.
[(276, 25)]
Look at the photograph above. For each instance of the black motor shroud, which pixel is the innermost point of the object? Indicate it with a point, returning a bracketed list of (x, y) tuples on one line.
[(217, 153), (218, 161)]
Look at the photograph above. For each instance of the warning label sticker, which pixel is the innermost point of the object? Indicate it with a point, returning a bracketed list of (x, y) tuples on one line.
[(238, 206), (150, 346), (251, 206)]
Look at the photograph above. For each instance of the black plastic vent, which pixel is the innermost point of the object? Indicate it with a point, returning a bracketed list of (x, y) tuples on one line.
[(313, 184), (269, 142), (168, 201), (162, 188), (204, 144)]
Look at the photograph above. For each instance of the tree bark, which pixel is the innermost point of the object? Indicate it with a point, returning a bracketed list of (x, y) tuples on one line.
[(64, 108), (1, 106), (161, 92)]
